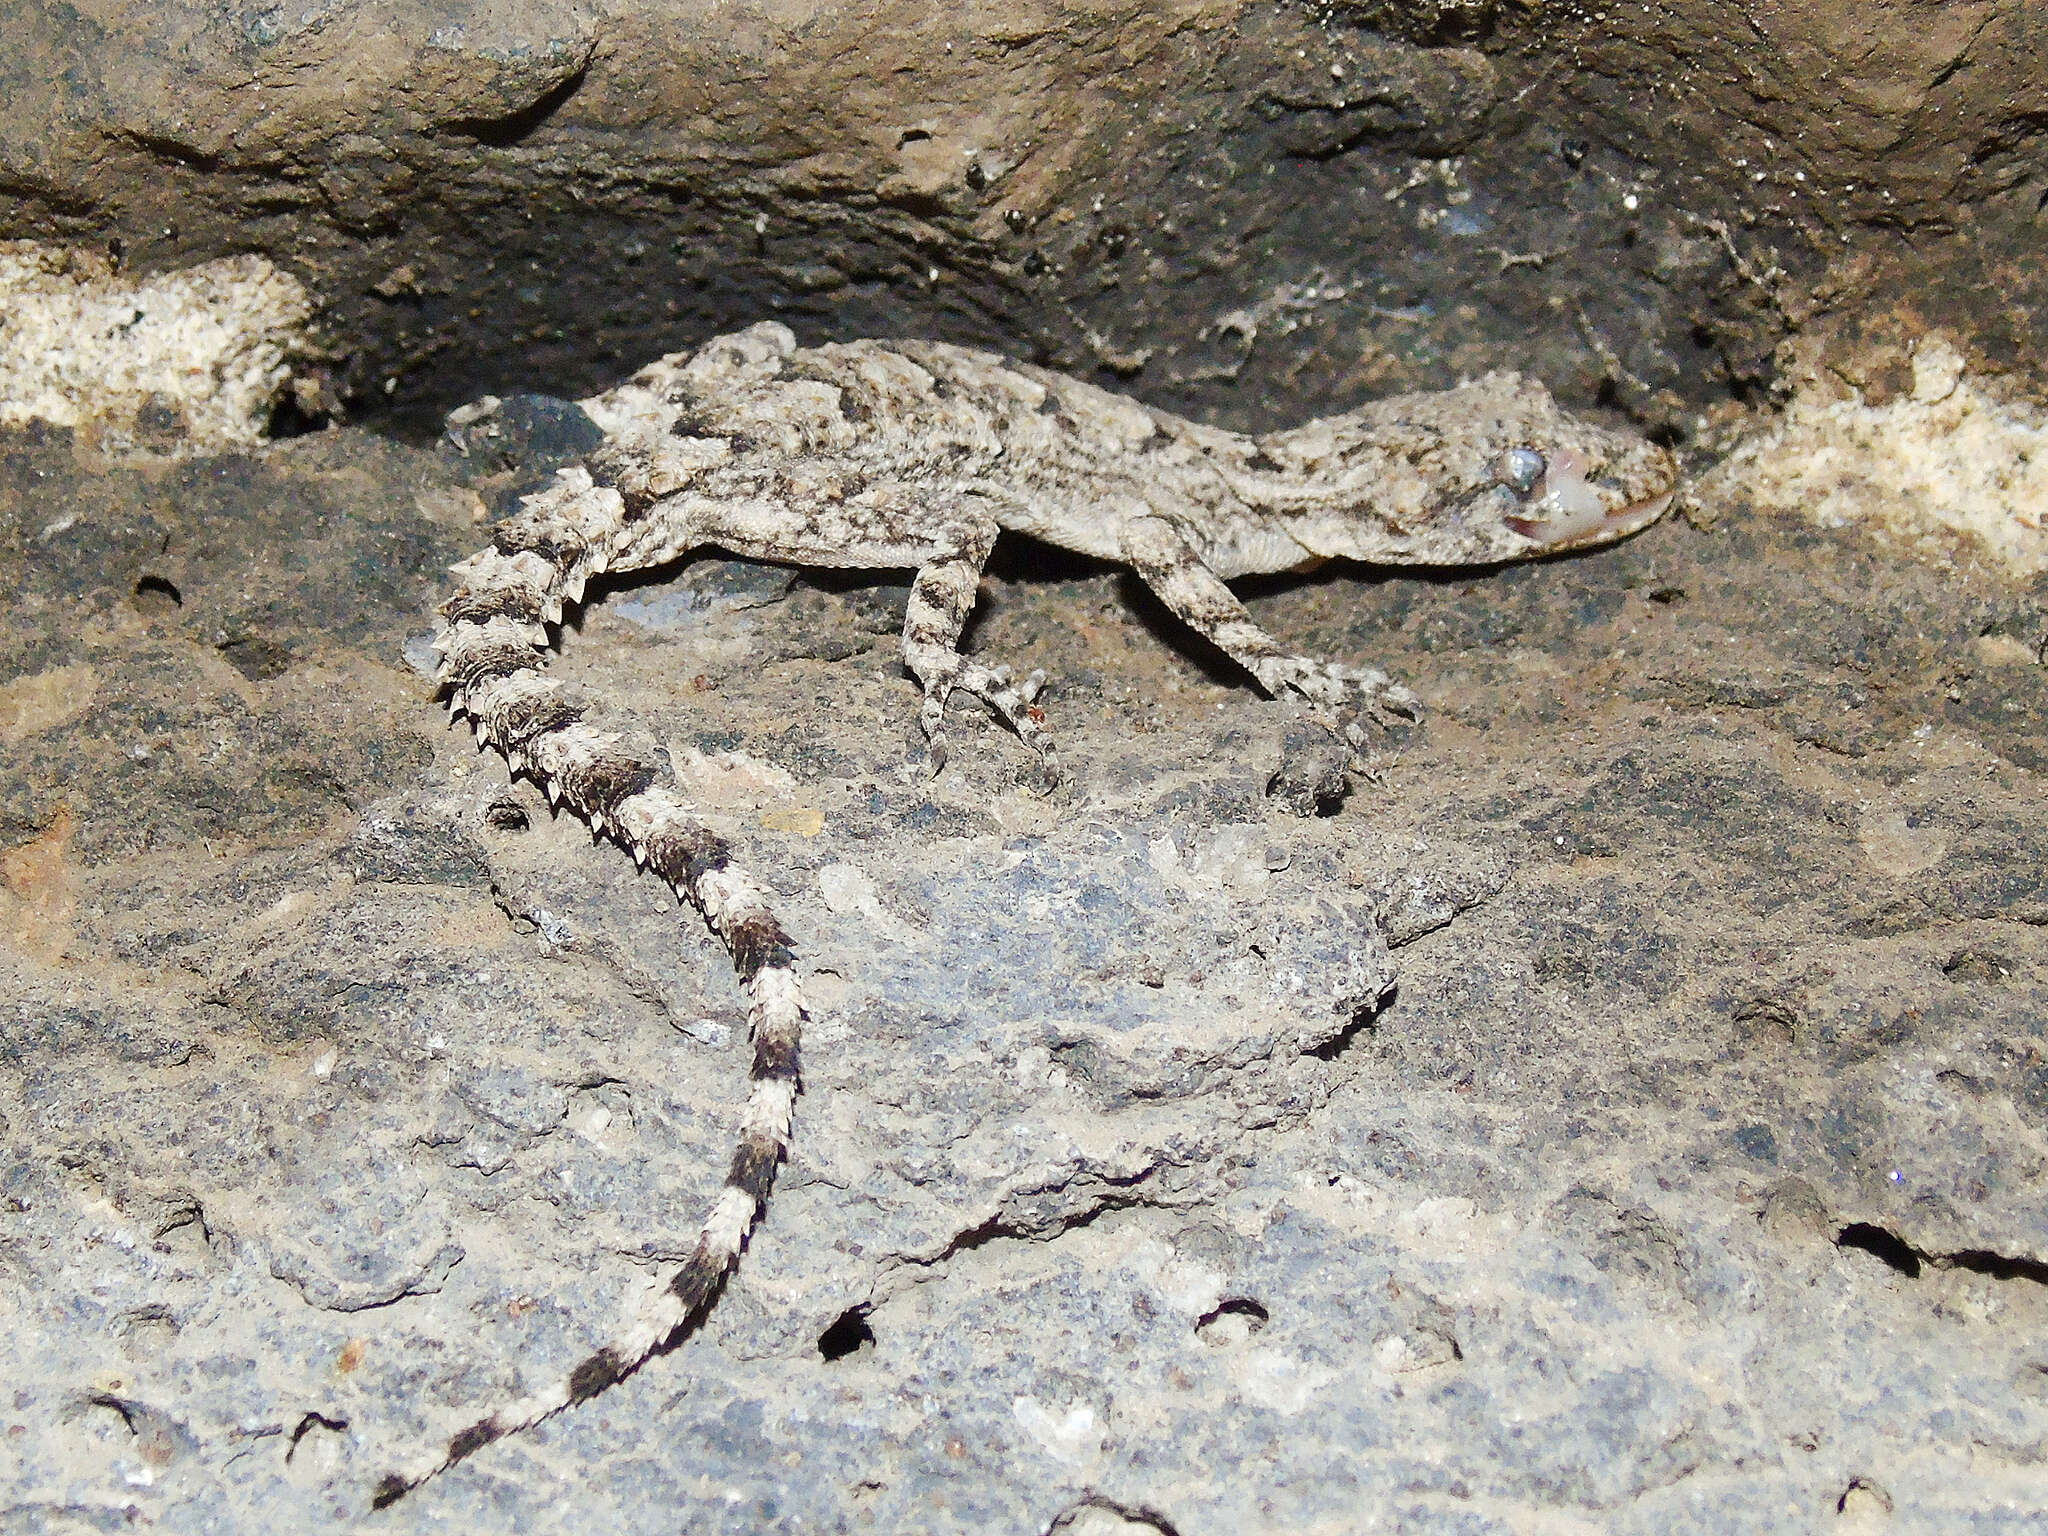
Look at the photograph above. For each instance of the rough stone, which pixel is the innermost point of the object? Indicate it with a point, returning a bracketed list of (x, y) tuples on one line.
[(1243, 208), (198, 359), (1690, 1178)]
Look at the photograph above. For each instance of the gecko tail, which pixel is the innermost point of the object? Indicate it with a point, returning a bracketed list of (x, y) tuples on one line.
[(493, 644), (687, 1298)]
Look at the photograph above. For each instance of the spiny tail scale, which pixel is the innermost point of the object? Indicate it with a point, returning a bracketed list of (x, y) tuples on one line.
[(493, 643)]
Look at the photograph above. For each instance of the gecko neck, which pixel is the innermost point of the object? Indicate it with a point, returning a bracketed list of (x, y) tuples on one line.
[(1332, 489)]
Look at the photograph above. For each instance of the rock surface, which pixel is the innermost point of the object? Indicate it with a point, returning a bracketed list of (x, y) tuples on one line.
[(1241, 207), (1690, 1179), (193, 361)]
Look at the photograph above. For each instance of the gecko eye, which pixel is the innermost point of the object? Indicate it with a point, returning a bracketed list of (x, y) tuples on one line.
[(1521, 468)]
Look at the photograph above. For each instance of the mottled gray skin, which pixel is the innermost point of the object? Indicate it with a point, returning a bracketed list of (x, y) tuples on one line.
[(886, 432), (876, 454), (890, 454)]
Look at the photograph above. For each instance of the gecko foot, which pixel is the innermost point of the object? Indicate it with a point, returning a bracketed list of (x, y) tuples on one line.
[(1003, 692), (1334, 685)]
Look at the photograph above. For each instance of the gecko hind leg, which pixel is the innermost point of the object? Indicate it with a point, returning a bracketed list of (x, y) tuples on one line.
[(941, 596)]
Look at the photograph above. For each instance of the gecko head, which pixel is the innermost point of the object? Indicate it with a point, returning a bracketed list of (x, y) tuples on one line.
[(1531, 478), (1491, 470)]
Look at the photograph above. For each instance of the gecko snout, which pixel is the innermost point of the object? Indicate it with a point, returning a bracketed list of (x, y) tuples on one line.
[(1568, 507)]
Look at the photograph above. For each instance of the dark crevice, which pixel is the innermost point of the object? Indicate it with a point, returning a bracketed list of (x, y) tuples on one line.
[(1254, 1313), (849, 1334), (1909, 1261), (1321, 154), (131, 1412), (975, 1237), (50, 199), (504, 132), (188, 1214), (1344, 1039), (1142, 1515), (1364, 1025), (308, 1424), (172, 152), (996, 1228), (1881, 1244), (1998, 1266), (291, 418), (1863, 1485), (157, 592)]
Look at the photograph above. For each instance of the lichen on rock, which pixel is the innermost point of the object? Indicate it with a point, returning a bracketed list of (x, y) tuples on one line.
[(175, 364), (1947, 454)]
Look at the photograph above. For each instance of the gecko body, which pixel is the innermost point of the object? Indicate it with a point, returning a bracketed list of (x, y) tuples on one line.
[(911, 454)]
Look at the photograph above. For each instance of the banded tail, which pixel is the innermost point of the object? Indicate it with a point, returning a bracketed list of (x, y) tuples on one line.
[(493, 642)]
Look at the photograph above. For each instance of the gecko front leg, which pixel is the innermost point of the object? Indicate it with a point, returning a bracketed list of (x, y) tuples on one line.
[(1171, 566), (941, 596), (947, 538)]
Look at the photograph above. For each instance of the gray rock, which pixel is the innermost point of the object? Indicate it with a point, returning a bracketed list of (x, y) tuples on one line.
[(1686, 1178)]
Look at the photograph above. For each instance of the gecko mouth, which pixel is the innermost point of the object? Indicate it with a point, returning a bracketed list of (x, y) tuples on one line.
[(1571, 511), (1639, 514)]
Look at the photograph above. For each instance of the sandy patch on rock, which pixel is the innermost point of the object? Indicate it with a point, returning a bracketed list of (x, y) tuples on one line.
[(176, 364), (1948, 455)]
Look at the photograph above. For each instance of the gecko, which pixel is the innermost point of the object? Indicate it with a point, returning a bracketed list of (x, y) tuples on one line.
[(876, 455)]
